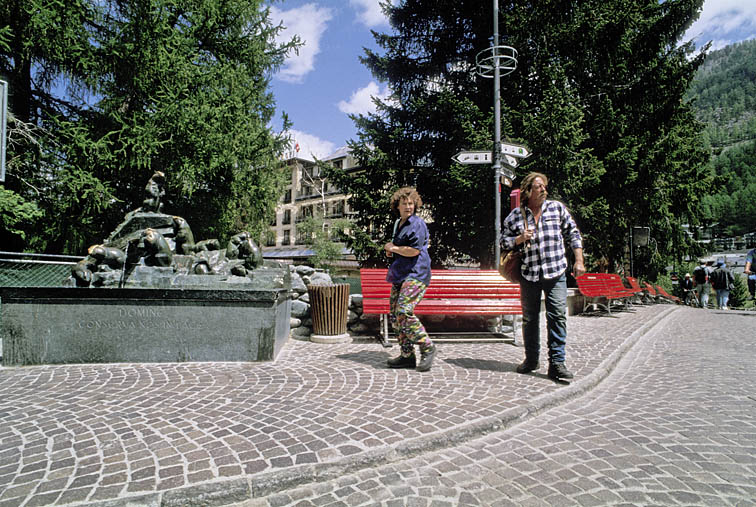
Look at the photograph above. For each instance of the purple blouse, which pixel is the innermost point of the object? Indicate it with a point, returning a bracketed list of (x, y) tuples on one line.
[(413, 233)]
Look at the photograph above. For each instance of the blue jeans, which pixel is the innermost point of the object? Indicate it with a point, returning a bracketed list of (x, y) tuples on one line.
[(723, 296), (555, 291)]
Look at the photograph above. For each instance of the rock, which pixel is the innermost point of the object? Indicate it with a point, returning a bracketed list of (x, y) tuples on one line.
[(299, 309)]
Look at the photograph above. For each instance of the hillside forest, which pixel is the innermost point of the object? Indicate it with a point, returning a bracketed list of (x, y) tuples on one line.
[(723, 94)]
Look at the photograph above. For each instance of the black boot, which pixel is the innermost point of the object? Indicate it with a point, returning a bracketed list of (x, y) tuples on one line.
[(528, 366), (426, 358), (402, 362), (559, 371)]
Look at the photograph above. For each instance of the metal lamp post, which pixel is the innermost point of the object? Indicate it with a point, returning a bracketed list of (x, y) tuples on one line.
[(495, 62)]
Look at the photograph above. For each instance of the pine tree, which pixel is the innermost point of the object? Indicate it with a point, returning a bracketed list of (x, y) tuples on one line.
[(113, 91), (597, 95)]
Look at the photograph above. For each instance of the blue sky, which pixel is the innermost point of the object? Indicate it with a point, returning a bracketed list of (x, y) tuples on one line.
[(325, 82)]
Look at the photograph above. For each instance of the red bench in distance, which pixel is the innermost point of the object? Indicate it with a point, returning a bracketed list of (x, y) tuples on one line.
[(601, 289), (451, 292)]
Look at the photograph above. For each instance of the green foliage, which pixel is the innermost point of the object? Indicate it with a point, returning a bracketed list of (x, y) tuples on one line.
[(109, 92), (325, 238), (724, 95), (739, 296), (598, 96), (16, 212)]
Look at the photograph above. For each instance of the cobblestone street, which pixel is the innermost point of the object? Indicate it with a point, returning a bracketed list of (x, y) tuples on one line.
[(661, 412)]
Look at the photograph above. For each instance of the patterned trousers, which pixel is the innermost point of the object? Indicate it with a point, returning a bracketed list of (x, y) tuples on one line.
[(410, 331)]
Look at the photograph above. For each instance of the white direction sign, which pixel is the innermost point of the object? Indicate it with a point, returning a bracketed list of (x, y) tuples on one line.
[(473, 157), (515, 150), (510, 161)]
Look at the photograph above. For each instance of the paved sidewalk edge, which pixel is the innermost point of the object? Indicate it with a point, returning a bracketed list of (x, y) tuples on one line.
[(225, 492)]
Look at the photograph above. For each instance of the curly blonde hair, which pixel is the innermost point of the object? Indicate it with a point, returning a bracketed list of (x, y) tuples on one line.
[(406, 193)]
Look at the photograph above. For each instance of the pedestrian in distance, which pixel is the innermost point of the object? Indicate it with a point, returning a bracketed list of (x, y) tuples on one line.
[(686, 286), (723, 282), (409, 274), (540, 227), (750, 271), (701, 283)]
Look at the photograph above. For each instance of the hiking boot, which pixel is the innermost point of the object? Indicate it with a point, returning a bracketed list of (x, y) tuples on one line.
[(528, 366), (426, 359), (402, 362), (559, 371)]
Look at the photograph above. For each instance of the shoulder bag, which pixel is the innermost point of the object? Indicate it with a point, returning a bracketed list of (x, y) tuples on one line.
[(510, 262)]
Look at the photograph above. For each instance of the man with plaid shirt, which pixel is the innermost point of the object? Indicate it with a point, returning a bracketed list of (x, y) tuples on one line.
[(541, 233)]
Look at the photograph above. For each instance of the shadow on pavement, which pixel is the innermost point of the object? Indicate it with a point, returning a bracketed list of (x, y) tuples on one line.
[(482, 364)]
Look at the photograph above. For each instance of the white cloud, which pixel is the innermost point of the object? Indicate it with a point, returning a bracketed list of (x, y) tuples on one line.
[(361, 101), (310, 146), (309, 22), (723, 22), (369, 12)]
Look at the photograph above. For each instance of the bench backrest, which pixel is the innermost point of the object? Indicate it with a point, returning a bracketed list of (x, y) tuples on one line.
[(602, 285), (451, 292), (446, 284), (593, 284)]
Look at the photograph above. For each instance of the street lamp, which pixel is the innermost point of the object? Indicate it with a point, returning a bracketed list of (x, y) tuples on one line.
[(492, 62)]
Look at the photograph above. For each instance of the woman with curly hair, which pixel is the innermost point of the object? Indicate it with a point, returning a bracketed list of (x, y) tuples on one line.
[(409, 274)]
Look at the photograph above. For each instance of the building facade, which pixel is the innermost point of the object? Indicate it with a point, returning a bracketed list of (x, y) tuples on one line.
[(307, 194)]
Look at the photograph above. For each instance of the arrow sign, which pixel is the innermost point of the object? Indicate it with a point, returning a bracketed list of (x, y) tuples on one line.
[(510, 161), (515, 150), (473, 157)]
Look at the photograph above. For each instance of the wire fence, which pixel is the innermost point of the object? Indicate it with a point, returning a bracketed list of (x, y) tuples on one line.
[(35, 270)]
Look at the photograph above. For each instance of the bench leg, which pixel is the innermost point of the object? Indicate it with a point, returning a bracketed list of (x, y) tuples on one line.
[(517, 330), (385, 331)]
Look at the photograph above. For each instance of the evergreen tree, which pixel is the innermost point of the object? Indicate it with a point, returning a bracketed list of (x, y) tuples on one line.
[(597, 96), (113, 91)]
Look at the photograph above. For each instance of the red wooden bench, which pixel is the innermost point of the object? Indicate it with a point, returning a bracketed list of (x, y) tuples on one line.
[(664, 294), (640, 291), (600, 289), (451, 292), (652, 294)]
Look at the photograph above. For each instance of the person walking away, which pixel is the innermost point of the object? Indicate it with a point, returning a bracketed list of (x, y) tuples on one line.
[(541, 227), (701, 283), (750, 270), (686, 286), (409, 274), (722, 281)]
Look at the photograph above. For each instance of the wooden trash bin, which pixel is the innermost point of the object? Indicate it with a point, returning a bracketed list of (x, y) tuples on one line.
[(329, 308)]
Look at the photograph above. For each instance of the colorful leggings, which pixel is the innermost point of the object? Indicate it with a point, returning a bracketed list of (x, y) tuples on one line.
[(404, 297)]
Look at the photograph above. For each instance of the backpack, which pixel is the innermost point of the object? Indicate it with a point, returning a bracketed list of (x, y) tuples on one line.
[(699, 275)]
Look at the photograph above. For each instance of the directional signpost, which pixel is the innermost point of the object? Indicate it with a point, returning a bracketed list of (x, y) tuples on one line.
[(473, 157), (515, 150), (481, 157)]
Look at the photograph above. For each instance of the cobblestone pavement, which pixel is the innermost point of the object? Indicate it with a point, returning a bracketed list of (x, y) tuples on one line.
[(222, 433), (674, 424)]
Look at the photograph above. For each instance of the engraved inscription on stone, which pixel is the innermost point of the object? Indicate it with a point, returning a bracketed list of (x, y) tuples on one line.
[(139, 318)]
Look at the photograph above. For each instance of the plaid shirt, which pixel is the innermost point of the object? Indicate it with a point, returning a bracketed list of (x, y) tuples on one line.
[(545, 253)]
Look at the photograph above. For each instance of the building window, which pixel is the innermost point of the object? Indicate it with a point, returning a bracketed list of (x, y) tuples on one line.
[(301, 237), (287, 196), (286, 237), (270, 238), (286, 217)]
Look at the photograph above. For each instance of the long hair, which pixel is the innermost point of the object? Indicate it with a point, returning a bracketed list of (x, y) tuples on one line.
[(406, 193), (526, 186)]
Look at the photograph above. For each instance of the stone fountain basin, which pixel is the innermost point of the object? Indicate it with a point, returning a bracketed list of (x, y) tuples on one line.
[(51, 325)]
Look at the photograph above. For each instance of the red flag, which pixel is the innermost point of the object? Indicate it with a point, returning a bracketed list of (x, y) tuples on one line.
[(297, 147)]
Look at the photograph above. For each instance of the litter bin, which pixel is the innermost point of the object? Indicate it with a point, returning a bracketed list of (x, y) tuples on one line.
[(329, 306)]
